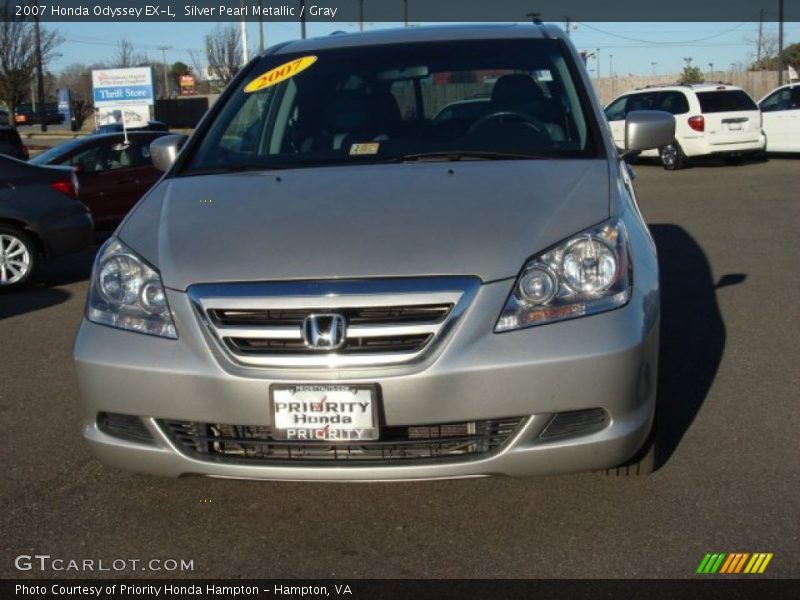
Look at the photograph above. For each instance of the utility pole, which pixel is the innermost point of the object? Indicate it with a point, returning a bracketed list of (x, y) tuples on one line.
[(760, 35), (780, 42), (245, 56), (39, 71), (653, 64), (710, 68), (164, 62), (611, 74), (361, 15), (260, 27), (567, 25), (598, 63), (303, 19), (405, 12)]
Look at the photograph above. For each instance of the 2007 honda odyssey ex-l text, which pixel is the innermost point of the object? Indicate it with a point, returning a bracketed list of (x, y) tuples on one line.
[(329, 284)]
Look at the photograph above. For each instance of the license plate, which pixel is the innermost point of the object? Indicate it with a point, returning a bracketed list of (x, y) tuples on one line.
[(325, 413), (734, 126)]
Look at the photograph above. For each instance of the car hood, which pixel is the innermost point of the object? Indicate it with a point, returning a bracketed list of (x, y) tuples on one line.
[(480, 218)]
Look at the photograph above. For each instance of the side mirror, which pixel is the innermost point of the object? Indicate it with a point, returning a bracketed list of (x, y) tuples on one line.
[(647, 129), (165, 149)]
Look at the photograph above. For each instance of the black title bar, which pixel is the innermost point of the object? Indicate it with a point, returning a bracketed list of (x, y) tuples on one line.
[(398, 11), (700, 588)]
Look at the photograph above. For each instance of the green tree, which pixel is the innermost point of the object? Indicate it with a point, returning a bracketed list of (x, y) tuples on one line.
[(791, 56), (177, 69), (690, 75)]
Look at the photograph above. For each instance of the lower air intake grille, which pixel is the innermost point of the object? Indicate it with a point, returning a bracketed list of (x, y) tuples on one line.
[(573, 423), (254, 444), (126, 427)]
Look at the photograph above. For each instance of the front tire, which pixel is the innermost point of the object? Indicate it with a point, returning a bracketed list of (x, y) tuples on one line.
[(672, 156), (19, 258)]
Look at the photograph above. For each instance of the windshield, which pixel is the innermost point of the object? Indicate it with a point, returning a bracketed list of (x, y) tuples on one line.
[(493, 99)]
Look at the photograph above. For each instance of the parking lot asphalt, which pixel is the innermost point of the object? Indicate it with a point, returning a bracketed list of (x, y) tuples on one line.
[(729, 476)]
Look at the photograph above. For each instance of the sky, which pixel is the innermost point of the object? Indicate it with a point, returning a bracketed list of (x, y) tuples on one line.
[(627, 48)]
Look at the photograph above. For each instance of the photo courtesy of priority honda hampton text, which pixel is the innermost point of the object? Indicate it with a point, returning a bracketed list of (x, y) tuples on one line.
[(397, 255)]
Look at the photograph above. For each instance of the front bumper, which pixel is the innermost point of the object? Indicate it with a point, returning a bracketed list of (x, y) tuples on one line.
[(606, 361)]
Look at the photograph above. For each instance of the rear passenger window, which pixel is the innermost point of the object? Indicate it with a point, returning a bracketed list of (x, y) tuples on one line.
[(673, 102), (725, 101), (644, 101)]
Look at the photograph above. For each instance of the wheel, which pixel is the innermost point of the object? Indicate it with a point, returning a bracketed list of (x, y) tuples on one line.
[(19, 258), (643, 462), (672, 156)]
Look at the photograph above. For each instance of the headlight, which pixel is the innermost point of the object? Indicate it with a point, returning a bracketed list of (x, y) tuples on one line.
[(127, 293), (584, 275)]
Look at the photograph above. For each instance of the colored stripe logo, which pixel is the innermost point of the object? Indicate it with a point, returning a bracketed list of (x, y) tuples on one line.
[(733, 563)]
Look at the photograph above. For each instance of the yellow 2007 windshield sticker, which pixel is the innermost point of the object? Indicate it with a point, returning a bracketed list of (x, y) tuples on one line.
[(280, 73)]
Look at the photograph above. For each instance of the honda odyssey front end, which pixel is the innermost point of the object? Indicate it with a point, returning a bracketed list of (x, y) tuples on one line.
[(331, 284)]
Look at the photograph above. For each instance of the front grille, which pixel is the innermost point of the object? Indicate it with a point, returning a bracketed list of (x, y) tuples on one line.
[(433, 313), (364, 345), (255, 444), (386, 322)]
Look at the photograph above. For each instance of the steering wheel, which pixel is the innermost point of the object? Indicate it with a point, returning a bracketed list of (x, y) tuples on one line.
[(526, 119)]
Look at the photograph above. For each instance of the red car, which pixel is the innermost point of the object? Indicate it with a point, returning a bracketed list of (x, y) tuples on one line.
[(112, 175)]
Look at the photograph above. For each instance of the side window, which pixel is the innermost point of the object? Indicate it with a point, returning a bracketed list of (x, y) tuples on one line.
[(777, 101), (616, 110), (794, 98), (673, 102), (643, 101), (139, 153), (87, 161), (118, 159), (103, 158)]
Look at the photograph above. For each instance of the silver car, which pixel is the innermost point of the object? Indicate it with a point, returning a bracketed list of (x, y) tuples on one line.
[(327, 284)]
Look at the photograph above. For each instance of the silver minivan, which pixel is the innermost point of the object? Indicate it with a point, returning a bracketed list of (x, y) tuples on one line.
[(330, 284)]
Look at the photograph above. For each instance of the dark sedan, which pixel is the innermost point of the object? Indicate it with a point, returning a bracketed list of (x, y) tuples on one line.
[(11, 144), (41, 219), (113, 175)]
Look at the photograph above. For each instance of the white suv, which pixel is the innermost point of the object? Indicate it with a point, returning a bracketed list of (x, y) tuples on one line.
[(710, 119)]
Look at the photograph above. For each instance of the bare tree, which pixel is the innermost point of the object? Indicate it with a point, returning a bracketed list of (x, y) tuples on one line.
[(197, 64), (224, 51), (768, 48), (78, 80), (18, 57), (127, 56)]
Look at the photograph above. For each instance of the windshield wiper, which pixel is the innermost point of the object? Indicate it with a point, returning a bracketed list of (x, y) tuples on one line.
[(454, 155), (238, 168)]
